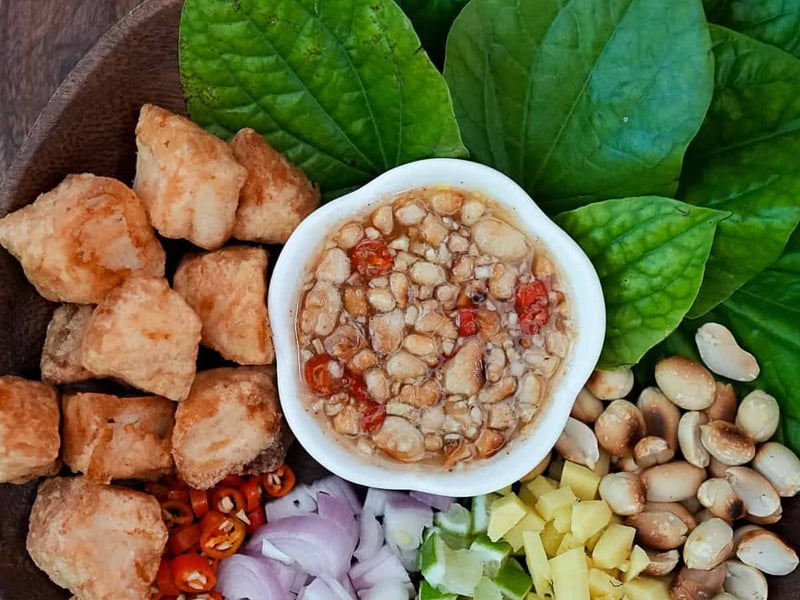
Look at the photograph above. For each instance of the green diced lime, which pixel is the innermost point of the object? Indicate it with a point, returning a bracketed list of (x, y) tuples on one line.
[(480, 512), (463, 570), (491, 553), (512, 580), (432, 559), (428, 592), (486, 590), (456, 520)]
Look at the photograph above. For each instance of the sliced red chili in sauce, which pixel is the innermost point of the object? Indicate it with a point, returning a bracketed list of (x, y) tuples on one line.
[(467, 322), (371, 258), (372, 415), (532, 305), (320, 372)]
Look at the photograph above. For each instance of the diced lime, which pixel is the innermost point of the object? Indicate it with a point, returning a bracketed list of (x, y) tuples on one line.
[(456, 520), (487, 590), (428, 592), (451, 571), (512, 580), (491, 553), (480, 512), (432, 559)]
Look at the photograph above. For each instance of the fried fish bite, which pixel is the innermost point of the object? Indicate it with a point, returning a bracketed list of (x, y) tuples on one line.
[(228, 290), (61, 355), (230, 417), (145, 334), (98, 541), (187, 178), (29, 438), (107, 437), (82, 239), (276, 196)]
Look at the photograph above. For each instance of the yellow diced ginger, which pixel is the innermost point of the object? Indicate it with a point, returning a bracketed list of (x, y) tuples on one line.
[(504, 513), (647, 588), (562, 519), (530, 522), (551, 538), (536, 488), (637, 562), (549, 503), (537, 563), (603, 585), (582, 481), (589, 517), (570, 575), (613, 547), (568, 542)]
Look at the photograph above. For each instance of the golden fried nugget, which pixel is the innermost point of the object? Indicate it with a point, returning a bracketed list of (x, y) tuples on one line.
[(107, 437), (187, 178), (61, 355), (29, 438), (98, 541), (145, 334), (276, 196), (82, 239), (230, 417), (228, 290)]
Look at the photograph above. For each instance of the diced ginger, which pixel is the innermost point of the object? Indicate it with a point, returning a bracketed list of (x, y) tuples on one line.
[(530, 522), (568, 542), (592, 541), (637, 563), (589, 517), (549, 503), (647, 588), (562, 519), (582, 481), (536, 488), (603, 585), (613, 547), (570, 575), (505, 512), (551, 538), (538, 565)]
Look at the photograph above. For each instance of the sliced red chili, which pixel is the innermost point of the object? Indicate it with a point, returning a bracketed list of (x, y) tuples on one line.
[(355, 386), (184, 540), (164, 579), (279, 482), (175, 483), (532, 305), (199, 501), (371, 258), (228, 500), (257, 518), (324, 375), (221, 535), (182, 495), (232, 481), (193, 573), (176, 513), (251, 490), (467, 322), (159, 490), (372, 415)]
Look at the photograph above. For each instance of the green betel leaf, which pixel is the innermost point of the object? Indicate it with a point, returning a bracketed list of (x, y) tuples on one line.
[(745, 160), (340, 88), (432, 20), (765, 316), (573, 100), (775, 22), (650, 253)]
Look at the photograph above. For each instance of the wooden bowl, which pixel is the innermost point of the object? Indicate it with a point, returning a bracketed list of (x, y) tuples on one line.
[(88, 127)]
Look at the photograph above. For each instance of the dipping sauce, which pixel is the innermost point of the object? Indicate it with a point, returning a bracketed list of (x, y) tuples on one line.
[(432, 329)]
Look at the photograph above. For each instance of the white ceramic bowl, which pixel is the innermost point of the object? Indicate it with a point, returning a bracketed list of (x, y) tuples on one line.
[(579, 281)]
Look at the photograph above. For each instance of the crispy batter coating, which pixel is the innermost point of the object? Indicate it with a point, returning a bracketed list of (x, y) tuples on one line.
[(228, 290), (99, 541), (276, 196), (231, 415), (145, 334), (82, 239), (187, 178), (107, 437), (29, 438), (61, 355)]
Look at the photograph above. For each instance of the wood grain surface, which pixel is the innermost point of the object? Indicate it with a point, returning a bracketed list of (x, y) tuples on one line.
[(40, 42)]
